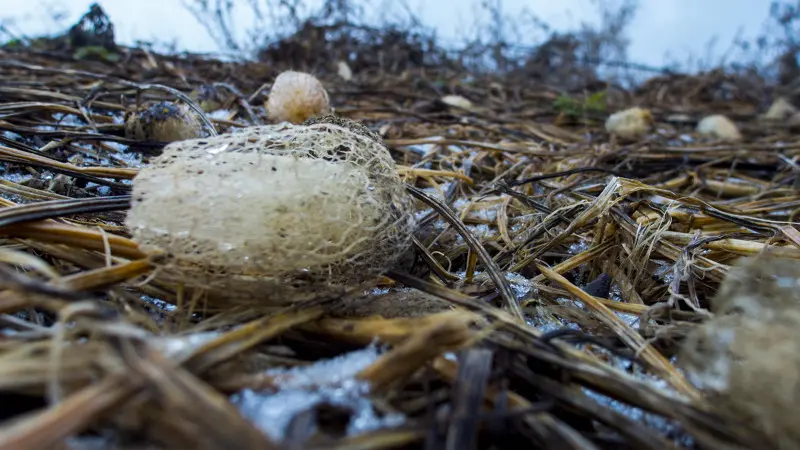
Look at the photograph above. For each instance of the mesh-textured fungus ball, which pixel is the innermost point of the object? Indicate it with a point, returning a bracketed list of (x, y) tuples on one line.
[(296, 97), (273, 215), (350, 124), (163, 122)]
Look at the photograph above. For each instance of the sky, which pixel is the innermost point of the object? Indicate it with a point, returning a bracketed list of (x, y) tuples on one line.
[(662, 31)]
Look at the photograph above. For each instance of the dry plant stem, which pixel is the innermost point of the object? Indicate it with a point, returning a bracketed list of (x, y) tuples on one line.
[(572, 397), (505, 320), (421, 347), (75, 237), (429, 259), (414, 172), (632, 339), (219, 424), (378, 440), (243, 102), (491, 266), (366, 330), (628, 187), (106, 276), (59, 208), (108, 172), (468, 398), (247, 336), (578, 260), (543, 423), (522, 149), (48, 428), (738, 246), (185, 98)]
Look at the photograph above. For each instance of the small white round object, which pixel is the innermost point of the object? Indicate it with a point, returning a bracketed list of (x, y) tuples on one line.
[(630, 124), (719, 127), (296, 97)]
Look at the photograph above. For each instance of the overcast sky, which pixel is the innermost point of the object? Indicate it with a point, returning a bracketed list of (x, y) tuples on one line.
[(681, 28)]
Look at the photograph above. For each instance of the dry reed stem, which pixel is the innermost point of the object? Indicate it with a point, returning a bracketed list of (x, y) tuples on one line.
[(654, 359), (447, 334)]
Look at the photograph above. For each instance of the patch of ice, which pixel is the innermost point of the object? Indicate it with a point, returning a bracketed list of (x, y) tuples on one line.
[(12, 135), (424, 149), (578, 247), (116, 145), (220, 114), (161, 304), (480, 231), (519, 284), (438, 191), (327, 381), (16, 177), (68, 119), (180, 347), (548, 322), (422, 213), (379, 291), (631, 319)]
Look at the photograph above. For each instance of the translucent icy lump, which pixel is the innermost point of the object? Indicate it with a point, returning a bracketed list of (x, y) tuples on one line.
[(328, 381)]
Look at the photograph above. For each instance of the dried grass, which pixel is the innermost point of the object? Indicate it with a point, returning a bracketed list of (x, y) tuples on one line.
[(517, 214)]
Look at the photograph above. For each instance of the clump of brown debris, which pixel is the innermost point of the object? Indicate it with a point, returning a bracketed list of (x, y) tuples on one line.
[(748, 355)]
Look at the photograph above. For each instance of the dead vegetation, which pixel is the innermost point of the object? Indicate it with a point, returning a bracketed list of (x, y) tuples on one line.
[(556, 270)]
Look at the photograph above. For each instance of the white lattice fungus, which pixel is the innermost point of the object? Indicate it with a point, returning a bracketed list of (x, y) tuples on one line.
[(163, 122), (719, 127), (296, 97), (630, 124), (273, 215)]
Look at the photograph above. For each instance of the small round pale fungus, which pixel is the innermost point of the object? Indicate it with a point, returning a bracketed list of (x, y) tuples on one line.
[(273, 215), (719, 127), (163, 122), (780, 110), (631, 124), (457, 101), (296, 97)]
